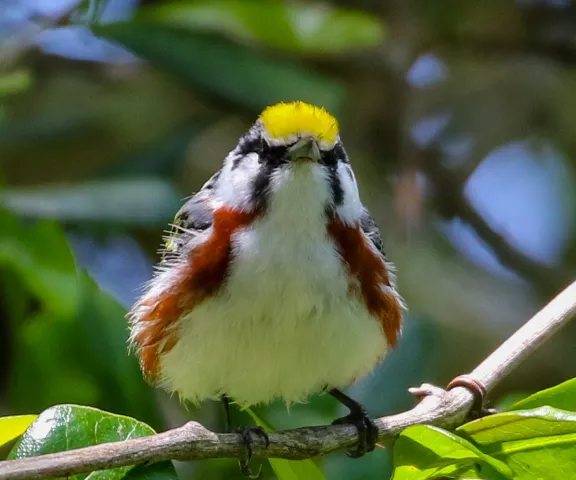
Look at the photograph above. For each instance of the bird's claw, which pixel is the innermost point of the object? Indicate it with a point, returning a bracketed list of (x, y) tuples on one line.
[(246, 432), (367, 432), (247, 471)]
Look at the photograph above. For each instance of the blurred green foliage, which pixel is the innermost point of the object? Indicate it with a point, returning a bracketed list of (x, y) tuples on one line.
[(295, 27), (130, 202), (60, 317), (96, 153), (15, 82), (201, 59)]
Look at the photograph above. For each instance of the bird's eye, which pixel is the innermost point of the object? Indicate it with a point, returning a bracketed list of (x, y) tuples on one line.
[(272, 153), (329, 158), (340, 153)]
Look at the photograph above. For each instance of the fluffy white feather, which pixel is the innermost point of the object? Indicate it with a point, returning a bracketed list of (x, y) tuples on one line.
[(351, 209), (235, 190)]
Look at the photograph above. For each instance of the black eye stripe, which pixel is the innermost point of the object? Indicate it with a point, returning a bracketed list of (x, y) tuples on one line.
[(335, 186), (340, 153), (332, 157), (247, 145), (261, 187), (270, 157), (329, 158), (266, 153), (273, 154)]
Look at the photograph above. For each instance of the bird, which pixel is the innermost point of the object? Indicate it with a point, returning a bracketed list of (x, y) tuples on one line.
[(273, 282)]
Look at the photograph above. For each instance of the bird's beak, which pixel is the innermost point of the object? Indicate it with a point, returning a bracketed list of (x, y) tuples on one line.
[(305, 149)]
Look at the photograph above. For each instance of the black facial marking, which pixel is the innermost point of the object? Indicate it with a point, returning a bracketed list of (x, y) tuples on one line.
[(340, 153), (276, 155), (335, 155), (329, 158), (250, 145), (261, 186), (270, 158), (266, 153), (335, 185), (247, 145)]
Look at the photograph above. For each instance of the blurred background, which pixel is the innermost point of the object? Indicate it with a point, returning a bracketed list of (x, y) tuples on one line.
[(459, 117)]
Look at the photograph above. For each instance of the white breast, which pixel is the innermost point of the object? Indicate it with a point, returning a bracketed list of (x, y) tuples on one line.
[(284, 325)]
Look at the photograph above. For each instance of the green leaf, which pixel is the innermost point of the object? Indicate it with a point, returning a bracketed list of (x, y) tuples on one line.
[(289, 469), (13, 427), (296, 27), (144, 201), (223, 68), (519, 425), (296, 469), (66, 427), (503, 403), (535, 444), (155, 471), (561, 396), (423, 452)]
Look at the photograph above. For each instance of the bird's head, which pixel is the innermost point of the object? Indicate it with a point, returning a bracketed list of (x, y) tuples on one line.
[(294, 132), (290, 137)]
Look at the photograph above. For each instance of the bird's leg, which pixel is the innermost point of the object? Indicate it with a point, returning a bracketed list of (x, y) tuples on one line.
[(226, 404), (367, 430), (478, 390), (245, 432)]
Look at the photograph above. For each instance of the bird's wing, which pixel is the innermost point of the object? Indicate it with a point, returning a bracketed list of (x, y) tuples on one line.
[(193, 218), (372, 231), (391, 316)]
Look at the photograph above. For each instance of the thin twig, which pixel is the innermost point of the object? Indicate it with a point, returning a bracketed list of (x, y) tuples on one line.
[(194, 442), (453, 202)]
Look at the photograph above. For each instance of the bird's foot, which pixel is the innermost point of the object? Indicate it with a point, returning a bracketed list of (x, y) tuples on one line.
[(367, 431), (246, 432), (478, 390)]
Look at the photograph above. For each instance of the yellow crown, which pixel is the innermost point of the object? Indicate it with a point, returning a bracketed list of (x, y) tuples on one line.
[(286, 120)]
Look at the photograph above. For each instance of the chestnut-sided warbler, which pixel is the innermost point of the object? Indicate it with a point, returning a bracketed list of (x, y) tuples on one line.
[(273, 283)]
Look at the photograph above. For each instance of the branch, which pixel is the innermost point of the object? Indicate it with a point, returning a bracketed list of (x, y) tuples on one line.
[(194, 442)]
